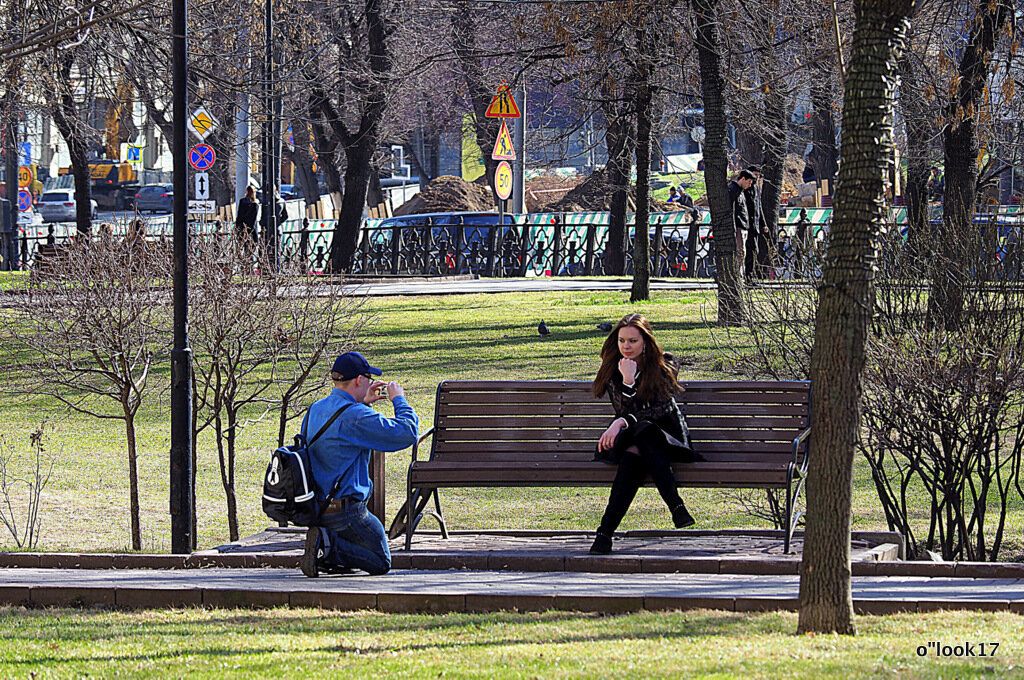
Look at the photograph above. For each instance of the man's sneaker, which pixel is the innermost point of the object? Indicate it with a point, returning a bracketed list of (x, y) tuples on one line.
[(311, 554)]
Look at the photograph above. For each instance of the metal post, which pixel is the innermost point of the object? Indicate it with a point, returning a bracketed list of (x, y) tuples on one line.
[(588, 263), (519, 164), (242, 130), (181, 354), (269, 206), (9, 224), (556, 240)]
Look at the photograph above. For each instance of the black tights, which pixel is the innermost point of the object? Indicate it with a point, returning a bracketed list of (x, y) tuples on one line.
[(633, 470)]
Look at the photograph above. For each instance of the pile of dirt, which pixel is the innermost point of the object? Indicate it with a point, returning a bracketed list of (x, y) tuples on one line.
[(594, 194), (793, 175), (543, 191), (448, 194)]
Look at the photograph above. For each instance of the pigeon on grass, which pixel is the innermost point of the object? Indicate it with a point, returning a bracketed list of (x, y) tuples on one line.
[(542, 328)]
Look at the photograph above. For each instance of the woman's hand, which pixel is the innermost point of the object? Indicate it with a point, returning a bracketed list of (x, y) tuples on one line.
[(608, 436), (627, 367)]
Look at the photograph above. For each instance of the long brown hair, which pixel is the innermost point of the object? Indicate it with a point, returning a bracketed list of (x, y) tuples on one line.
[(657, 377)]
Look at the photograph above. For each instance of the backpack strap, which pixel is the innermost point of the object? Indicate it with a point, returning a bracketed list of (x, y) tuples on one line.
[(326, 425)]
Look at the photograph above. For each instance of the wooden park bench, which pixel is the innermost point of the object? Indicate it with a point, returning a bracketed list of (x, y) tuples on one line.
[(533, 434)]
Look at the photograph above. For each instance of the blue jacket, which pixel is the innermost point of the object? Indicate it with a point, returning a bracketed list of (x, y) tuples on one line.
[(343, 452)]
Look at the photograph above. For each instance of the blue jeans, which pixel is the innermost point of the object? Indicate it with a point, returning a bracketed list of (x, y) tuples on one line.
[(355, 538)]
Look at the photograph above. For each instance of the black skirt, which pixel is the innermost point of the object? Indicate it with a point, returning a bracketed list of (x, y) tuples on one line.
[(660, 433)]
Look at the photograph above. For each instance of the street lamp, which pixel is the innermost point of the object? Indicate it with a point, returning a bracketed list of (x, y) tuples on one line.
[(181, 355)]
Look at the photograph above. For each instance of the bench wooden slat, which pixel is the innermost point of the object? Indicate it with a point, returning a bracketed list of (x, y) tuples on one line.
[(560, 445), (589, 474), (743, 409), (478, 456), (584, 385), (602, 421), (582, 397), (517, 432)]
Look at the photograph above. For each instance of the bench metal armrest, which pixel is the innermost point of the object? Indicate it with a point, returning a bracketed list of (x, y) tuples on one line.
[(416, 446), (796, 450)]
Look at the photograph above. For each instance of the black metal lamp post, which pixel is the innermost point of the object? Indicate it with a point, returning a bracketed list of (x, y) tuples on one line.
[(181, 354)]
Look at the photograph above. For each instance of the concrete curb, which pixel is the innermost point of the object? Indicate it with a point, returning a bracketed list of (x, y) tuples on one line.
[(512, 561), (437, 603)]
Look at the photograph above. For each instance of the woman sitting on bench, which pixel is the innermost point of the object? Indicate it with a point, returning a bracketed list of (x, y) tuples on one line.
[(649, 432)]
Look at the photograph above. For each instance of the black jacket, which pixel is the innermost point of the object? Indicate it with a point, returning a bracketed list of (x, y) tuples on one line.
[(755, 215), (740, 214), (247, 212)]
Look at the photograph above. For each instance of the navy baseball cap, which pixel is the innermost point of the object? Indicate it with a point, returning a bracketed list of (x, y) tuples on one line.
[(351, 364)]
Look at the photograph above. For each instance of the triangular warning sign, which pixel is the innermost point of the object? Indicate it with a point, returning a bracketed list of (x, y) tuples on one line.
[(503, 148), (503, 105)]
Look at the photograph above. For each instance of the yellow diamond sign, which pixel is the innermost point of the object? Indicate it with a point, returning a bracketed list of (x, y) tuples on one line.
[(202, 123)]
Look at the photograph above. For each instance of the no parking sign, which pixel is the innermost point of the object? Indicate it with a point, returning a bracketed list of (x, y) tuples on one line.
[(24, 201), (202, 157)]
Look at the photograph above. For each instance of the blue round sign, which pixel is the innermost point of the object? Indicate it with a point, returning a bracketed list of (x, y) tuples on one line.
[(201, 157), (24, 201)]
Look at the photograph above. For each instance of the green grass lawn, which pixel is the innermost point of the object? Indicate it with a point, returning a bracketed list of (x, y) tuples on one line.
[(196, 643), (418, 341)]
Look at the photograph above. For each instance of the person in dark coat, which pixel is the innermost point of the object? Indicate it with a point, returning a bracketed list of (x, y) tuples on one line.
[(649, 431), (740, 215), (758, 249), (245, 218)]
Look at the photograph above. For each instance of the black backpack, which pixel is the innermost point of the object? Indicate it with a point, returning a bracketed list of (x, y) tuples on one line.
[(289, 489)]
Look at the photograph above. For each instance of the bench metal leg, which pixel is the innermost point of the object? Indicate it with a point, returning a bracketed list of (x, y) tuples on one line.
[(415, 510), (792, 515)]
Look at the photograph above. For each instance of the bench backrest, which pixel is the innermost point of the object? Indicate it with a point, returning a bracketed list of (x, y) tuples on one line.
[(499, 421)]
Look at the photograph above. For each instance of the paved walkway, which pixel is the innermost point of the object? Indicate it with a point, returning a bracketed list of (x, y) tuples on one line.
[(550, 284), (446, 591)]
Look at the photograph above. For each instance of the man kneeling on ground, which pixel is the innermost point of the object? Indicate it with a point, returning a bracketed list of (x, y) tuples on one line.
[(349, 536)]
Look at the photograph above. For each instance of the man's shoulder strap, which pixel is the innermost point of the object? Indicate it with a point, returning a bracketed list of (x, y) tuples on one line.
[(328, 423)]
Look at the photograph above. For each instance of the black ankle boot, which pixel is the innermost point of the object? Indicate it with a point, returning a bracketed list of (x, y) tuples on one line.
[(602, 545), (681, 518)]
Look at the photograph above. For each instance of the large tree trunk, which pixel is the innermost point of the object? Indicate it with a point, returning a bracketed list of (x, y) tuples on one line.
[(731, 310), (480, 95), (824, 156), (621, 143), (846, 300), (65, 117), (920, 132), (960, 139), (641, 241), (302, 159), (360, 145), (776, 138)]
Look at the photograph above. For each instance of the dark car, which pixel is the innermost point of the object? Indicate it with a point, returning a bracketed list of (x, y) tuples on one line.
[(447, 232), (155, 198)]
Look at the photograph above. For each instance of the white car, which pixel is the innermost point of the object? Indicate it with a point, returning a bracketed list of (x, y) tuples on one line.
[(58, 205)]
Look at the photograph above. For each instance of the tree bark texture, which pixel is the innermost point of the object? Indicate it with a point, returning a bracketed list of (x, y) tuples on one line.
[(65, 117), (776, 118), (133, 477), (480, 95), (728, 263), (960, 141), (846, 299), (360, 144), (824, 156), (621, 142), (644, 101), (920, 132)]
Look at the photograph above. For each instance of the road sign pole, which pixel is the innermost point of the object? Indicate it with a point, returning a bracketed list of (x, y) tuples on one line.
[(181, 488), (519, 165), (9, 243)]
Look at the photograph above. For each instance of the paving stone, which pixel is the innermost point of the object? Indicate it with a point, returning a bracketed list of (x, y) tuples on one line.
[(447, 561), (863, 568), (765, 604), (57, 596), (337, 601), (426, 603), (229, 598), (989, 570), (1017, 606), (657, 602), (158, 598), (19, 559), (76, 561), (502, 602), (915, 568), (924, 605), (759, 566), (518, 562), (607, 564), (133, 561), (688, 565), (599, 603), (881, 607), (235, 560), (14, 595)]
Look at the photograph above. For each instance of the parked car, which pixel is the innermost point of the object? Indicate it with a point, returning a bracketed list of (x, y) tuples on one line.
[(155, 198), (58, 205)]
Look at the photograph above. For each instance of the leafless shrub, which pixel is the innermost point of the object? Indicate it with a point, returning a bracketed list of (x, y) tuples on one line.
[(258, 337), (93, 328), (20, 511)]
